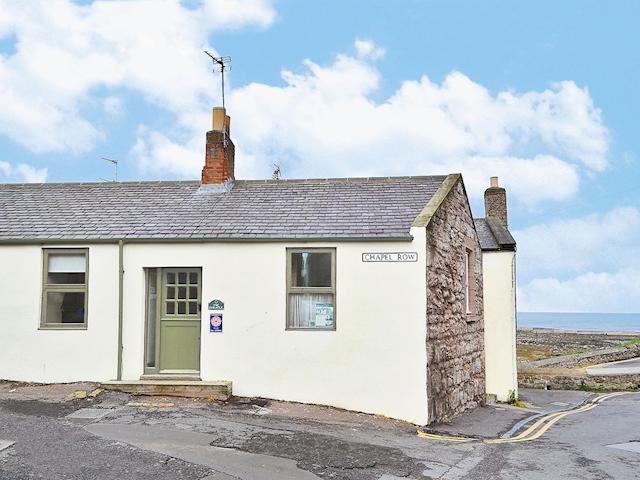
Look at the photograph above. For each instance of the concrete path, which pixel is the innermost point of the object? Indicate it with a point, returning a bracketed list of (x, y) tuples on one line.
[(195, 447), (623, 367)]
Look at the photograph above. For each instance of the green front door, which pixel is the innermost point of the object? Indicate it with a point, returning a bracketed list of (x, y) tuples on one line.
[(180, 321)]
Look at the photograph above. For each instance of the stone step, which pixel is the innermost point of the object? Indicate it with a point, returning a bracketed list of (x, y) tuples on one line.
[(220, 390)]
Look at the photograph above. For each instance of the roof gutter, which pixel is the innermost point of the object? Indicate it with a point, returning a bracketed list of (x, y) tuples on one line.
[(89, 241)]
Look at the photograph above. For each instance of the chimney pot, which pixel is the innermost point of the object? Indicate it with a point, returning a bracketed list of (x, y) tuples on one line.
[(494, 181)]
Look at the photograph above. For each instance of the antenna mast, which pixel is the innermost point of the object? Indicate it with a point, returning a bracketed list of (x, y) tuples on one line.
[(220, 64), (115, 164)]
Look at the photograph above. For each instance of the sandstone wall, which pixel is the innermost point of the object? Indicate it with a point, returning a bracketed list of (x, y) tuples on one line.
[(455, 339)]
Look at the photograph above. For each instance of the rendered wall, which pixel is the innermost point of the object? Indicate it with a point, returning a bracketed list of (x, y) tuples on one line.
[(500, 323), (455, 339), (33, 355), (374, 362)]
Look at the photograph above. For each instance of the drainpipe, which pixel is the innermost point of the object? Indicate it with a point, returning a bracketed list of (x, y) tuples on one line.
[(120, 300)]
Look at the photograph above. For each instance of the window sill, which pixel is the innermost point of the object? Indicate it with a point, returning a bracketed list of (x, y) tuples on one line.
[(472, 317), (63, 327), (310, 329)]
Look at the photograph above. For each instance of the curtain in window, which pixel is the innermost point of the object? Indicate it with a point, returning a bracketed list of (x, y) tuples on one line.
[(311, 310)]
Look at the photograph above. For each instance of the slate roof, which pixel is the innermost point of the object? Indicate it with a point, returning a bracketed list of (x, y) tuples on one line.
[(375, 208), (493, 235)]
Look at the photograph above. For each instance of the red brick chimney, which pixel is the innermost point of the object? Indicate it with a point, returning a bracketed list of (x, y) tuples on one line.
[(220, 151), (495, 202)]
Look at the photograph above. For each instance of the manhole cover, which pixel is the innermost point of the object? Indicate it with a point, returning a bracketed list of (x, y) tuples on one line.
[(633, 446)]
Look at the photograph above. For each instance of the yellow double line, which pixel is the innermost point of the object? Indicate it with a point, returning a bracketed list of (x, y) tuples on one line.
[(444, 438), (536, 430)]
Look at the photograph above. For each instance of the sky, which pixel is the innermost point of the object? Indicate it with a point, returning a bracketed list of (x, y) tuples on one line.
[(542, 94)]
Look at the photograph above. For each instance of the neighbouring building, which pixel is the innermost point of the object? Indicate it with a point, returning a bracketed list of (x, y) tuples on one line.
[(359, 293), (499, 278)]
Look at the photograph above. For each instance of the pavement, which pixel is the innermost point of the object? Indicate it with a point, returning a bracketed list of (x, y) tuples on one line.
[(115, 436), (623, 367)]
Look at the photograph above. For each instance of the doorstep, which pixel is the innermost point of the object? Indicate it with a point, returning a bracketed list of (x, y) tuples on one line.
[(218, 390)]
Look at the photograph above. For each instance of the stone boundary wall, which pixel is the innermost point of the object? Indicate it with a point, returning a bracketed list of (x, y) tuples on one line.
[(560, 381), (455, 339), (594, 357)]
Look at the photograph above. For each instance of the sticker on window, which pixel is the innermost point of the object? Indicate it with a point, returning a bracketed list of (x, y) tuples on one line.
[(324, 315)]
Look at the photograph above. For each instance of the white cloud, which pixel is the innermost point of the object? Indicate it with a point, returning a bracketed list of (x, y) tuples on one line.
[(22, 173), (590, 263), (617, 291), (231, 14), (368, 49), (64, 50), (112, 105), (324, 122), (570, 246)]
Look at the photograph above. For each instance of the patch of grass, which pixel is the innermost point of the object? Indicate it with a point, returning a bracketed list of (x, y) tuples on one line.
[(630, 343), (533, 352), (513, 399)]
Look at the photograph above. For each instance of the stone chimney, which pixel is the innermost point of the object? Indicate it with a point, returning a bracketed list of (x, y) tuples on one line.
[(220, 151), (495, 202)]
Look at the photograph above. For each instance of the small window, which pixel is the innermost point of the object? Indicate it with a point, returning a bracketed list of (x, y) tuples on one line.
[(468, 280), (64, 292), (311, 289)]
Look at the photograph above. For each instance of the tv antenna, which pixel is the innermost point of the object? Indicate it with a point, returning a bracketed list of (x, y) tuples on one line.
[(220, 64), (115, 164)]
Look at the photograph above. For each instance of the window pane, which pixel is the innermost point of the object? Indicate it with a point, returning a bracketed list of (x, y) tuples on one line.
[(182, 278), (171, 308), (182, 308), (65, 278), (171, 292), (193, 293), (66, 269), (193, 278), (311, 269), (171, 277), (152, 297), (65, 307), (182, 292), (311, 310), (193, 308), (67, 263)]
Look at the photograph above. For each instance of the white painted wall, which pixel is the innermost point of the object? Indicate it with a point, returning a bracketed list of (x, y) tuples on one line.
[(33, 355), (498, 269), (374, 362)]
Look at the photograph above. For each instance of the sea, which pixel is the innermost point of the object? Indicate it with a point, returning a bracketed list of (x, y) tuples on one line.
[(599, 322)]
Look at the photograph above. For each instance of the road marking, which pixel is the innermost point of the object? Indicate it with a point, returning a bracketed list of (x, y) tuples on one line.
[(444, 438), (534, 431)]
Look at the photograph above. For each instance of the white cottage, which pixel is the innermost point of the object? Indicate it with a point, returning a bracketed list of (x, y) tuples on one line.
[(364, 294)]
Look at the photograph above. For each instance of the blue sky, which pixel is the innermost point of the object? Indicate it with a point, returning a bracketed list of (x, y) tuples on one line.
[(543, 94)]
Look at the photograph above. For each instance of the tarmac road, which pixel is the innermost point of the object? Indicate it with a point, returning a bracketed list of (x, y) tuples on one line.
[(623, 367), (110, 439)]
